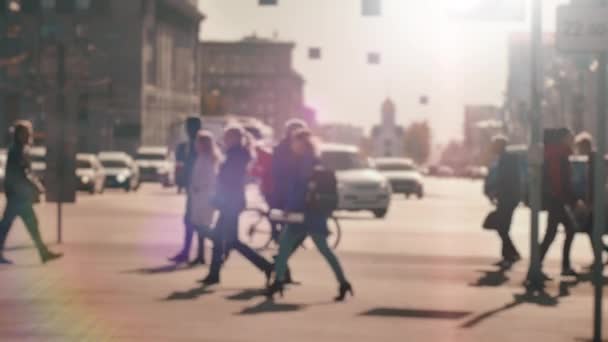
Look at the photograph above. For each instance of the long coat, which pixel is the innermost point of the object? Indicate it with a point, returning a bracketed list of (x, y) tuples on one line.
[(201, 190)]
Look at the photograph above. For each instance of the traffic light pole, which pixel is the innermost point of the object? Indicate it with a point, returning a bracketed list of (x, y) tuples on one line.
[(535, 281), (599, 200), (61, 117)]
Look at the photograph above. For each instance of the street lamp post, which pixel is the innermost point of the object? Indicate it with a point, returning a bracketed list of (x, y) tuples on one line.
[(535, 281), (599, 204)]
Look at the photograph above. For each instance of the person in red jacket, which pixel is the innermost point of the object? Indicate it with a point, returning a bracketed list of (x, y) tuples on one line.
[(559, 196)]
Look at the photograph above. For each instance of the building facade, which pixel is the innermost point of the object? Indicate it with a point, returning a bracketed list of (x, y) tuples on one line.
[(388, 137), (139, 79), (568, 89), (251, 77)]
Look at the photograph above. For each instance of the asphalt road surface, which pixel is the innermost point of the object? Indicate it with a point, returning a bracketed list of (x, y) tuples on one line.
[(422, 274)]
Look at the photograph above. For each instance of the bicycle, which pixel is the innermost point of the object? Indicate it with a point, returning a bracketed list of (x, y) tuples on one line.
[(262, 236)]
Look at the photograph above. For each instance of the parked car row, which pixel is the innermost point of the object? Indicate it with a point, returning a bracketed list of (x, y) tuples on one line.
[(110, 169)]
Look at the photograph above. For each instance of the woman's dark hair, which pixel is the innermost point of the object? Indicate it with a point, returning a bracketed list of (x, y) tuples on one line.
[(556, 135), (19, 128)]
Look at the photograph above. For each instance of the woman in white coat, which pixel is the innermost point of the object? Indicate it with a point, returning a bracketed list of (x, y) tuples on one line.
[(202, 184)]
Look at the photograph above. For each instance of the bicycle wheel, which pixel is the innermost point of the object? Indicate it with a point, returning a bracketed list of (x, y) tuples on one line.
[(258, 232)]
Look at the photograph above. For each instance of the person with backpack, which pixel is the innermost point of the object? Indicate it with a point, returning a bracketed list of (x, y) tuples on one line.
[(312, 197), (186, 157), (558, 193), (22, 190), (503, 189), (230, 201)]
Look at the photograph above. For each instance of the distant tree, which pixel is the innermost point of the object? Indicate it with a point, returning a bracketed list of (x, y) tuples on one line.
[(455, 155), (418, 141)]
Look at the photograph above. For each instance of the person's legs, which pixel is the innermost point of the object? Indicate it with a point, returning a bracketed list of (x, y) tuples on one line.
[(219, 250), (10, 213), (552, 224), (570, 233), (320, 241), (505, 215), (189, 229), (28, 215), (256, 259), (290, 239), (31, 224)]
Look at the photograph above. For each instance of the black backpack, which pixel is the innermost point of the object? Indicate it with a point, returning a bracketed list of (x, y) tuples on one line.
[(322, 194)]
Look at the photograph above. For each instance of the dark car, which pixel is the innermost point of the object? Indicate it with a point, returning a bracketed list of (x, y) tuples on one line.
[(403, 175)]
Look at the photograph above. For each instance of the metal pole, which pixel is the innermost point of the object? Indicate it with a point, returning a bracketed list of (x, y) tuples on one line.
[(60, 115), (535, 280), (599, 200)]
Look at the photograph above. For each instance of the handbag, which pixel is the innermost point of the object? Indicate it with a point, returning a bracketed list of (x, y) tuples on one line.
[(491, 221)]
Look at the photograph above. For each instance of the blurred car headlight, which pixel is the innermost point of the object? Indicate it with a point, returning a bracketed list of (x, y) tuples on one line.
[(122, 177)]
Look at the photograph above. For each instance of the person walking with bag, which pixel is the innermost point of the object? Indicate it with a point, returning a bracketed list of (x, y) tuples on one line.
[(312, 216), (504, 191), (22, 190), (230, 201), (201, 188)]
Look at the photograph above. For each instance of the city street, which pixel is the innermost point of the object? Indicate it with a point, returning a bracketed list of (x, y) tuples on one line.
[(425, 272)]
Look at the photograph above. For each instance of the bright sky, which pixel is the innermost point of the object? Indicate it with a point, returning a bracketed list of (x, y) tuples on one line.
[(423, 53)]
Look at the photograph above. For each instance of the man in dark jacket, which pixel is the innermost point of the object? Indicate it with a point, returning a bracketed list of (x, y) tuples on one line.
[(21, 191), (506, 193), (559, 196), (186, 156), (584, 147)]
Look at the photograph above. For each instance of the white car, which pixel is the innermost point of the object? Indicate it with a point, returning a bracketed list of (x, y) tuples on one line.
[(360, 186), (121, 170), (156, 164), (403, 175)]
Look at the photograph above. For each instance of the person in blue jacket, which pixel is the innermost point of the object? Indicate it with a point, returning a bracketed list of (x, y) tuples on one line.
[(230, 202), (314, 224)]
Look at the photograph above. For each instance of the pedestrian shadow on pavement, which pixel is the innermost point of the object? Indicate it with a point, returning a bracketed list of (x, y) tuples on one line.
[(190, 294), (541, 298), (416, 313), (270, 306), (169, 268), (247, 294), (493, 278)]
